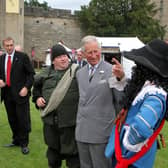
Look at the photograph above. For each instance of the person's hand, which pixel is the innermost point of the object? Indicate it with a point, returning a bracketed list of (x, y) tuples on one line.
[(2, 83), (40, 102), (23, 92), (117, 69)]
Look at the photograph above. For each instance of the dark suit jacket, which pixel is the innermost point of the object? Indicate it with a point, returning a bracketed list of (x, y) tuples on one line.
[(22, 74), (83, 63)]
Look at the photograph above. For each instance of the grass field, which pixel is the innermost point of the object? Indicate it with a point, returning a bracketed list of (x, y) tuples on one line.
[(13, 158)]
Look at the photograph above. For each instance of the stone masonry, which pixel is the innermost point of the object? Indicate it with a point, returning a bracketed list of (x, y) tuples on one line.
[(39, 29), (42, 29)]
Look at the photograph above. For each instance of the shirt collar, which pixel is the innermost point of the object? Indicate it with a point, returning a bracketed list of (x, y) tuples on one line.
[(11, 54), (95, 66)]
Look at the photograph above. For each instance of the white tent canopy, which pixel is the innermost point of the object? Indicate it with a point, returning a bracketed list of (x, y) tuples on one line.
[(67, 49), (124, 44)]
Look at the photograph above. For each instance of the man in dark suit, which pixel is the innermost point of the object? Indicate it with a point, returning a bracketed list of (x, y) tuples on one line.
[(80, 60), (16, 79)]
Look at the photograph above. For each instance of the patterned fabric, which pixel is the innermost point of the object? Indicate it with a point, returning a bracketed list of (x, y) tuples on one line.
[(144, 116), (91, 73)]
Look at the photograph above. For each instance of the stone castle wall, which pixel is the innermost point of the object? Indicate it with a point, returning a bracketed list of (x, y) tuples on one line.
[(42, 29)]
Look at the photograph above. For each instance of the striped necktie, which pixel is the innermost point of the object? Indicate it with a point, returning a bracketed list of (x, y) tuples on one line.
[(91, 73)]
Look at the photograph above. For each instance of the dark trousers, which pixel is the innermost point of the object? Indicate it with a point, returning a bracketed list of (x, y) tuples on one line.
[(55, 159), (61, 146), (18, 118)]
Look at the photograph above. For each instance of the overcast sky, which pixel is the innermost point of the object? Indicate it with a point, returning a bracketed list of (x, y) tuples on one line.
[(66, 4)]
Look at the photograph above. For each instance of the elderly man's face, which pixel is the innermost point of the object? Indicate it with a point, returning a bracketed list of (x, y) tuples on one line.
[(92, 52)]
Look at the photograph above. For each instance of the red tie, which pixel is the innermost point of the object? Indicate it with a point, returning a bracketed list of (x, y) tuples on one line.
[(8, 71)]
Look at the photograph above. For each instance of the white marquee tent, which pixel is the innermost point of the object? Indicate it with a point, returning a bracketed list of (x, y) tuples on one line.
[(124, 44), (67, 49)]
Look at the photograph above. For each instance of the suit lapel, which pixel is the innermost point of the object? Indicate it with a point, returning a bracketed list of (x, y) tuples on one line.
[(98, 75), (86, 74), (3, 66), (15, 59)]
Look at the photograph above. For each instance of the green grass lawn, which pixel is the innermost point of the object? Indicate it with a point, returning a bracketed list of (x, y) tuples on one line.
[(13, 158)]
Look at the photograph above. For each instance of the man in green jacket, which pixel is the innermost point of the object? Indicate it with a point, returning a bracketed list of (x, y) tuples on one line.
[(55, 93)]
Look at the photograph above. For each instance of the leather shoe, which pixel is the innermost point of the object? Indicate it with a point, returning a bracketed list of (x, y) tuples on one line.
[(11, 145), (25, 150)]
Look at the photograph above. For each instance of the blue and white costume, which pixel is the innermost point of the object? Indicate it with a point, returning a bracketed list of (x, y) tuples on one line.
[(144, 116)]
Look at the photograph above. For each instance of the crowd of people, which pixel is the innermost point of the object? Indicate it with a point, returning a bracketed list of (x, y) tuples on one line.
[(93, 115)]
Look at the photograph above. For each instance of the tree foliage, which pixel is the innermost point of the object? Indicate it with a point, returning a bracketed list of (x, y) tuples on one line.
[(35, 3), (122, 18)]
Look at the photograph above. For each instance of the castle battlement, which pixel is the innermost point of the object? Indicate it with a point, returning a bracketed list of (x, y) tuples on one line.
[(50, 13)]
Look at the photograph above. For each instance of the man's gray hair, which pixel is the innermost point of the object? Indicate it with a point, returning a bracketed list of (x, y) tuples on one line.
[(88, 39)]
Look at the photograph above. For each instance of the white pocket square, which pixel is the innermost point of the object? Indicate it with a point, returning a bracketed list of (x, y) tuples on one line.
[(102, 81)]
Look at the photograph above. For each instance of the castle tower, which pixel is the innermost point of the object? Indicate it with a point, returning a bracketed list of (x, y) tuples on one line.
[(12, 20)]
